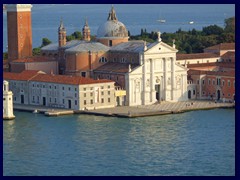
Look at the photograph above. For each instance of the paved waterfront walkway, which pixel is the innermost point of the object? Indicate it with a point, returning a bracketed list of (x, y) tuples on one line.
[(133, 111), (161, 108)]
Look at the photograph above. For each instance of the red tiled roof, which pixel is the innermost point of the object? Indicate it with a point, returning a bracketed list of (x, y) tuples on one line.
[(196, 56), (222, 46), (115, 67), (23, 76), (41, 77), (230, 73), (63, 79), (228, 54), (34, 59), (212, 65)]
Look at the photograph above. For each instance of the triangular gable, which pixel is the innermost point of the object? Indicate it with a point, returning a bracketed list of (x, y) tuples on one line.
[(160, 47)]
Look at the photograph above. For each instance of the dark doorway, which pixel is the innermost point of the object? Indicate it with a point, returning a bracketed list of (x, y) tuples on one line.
[(118, 101), (22, 99), (218, 95), (189, 94), (157, 89), (44, 101), (110, 43), (69, 104)]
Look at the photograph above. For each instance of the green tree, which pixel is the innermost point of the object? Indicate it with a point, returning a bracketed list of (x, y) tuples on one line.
[(5, 55), (212, 30), (70, 38), (36, 51), (230, 25), (45, 42), (77, 35)]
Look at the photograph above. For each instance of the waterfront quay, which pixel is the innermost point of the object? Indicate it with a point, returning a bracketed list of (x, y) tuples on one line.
[(132, 111)]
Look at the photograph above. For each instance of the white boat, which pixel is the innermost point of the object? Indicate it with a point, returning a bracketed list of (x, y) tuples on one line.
[(191, 22), (35, 111), (161, 20)]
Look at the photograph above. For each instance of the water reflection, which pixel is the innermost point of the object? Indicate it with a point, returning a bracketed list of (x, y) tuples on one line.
[(183, 144)]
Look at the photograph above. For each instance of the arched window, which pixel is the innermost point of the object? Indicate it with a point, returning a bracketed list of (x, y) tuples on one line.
[(102, 60)]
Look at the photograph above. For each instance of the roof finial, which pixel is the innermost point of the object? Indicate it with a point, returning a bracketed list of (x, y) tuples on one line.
[(112, 14), (159, 36), (174, 46), (145, 45), (61, 27), (86, 21)]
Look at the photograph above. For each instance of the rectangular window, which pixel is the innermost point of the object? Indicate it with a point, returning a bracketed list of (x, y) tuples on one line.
[(194, 92), (50, 87), (203, 81), (229, 83), (102, 93), (75, 102), (108, 87), (223, 82), (197, 81), (102, 87), (55, 87), (85, 102), (91, 101), (75, 94), (91, 94), (50, 100), (110, 43), (85, 94), (84, 89), (55, 100), (209, 81), (102, 100), (75, 89), (62, 88), (109, 100), (83, 74), (33, 98), (69, 89), (63, 101), (109, 92)]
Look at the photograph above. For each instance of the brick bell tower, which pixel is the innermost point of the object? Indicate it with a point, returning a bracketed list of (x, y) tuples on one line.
[(19, 30), (62, 39)]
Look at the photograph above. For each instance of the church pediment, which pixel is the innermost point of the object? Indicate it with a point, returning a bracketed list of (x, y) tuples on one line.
[(160, 47)]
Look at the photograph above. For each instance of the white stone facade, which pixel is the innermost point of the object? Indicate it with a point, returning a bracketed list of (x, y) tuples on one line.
[(7, 102), (158, 78), (68, 95)]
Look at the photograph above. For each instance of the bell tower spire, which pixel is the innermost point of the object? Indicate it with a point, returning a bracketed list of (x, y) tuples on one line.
[(86, 31), (61, 34)]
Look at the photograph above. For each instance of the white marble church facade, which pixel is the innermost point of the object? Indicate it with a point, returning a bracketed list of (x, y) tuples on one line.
[(157, 78)]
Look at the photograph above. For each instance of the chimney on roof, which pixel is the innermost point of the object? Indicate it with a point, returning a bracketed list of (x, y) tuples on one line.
[(51, 72)]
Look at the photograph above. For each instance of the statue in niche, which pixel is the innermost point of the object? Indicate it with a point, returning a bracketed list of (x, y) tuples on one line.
[(169, 81), (148, 83), (137, 86)]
